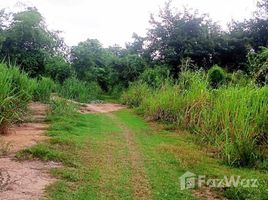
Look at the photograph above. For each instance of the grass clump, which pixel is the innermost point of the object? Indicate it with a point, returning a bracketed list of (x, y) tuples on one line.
[(43, 90)]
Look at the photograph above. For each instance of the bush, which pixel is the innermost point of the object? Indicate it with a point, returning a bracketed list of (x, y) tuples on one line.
[(135, 95), (258, 66), (154, 77), (58, 69), (43, 90), (75, 89), (235, 121), (216, 76), (239, 78), (62, 107)]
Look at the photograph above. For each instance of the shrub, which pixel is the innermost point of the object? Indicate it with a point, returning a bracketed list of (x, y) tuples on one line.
[(154, 77), (136, 93), (75, 89), (235, 121), (216, 76), (62, 107), (239, 78), (258, 66), (261, 77), (58, 69)]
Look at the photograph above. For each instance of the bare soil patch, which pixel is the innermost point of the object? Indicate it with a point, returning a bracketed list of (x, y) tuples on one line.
[(206, 194), (25, 180), (24, 135), (100, 108)]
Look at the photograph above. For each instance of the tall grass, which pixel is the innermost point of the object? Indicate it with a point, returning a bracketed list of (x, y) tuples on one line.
[(75, 89), (233, 118), (16, 90), (135, 95), (44, 88)]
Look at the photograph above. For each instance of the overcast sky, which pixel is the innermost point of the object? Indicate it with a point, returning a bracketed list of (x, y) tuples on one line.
[(114, 21)]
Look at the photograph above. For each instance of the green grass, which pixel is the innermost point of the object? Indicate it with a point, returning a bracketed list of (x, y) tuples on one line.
[(96, 165), (232, 118), (75, 89), (16, 90), (170, 154), (43, 90)]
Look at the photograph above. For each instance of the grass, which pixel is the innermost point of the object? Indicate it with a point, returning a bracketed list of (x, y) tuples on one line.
[(135, 94), (97, 160), (75, 89), (16, 90), (43, 90), (233, 118)]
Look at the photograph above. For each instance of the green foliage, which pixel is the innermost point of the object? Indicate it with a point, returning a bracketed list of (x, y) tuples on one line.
[(233, 118), (58, 69), (16, 92), (62, 107), (28, 43), (176, 35), (258, 64), (135, 95), (40, 151), (239, 78), (216, 76), (75, 89), (154, 77), (86, 56), (43, 90)]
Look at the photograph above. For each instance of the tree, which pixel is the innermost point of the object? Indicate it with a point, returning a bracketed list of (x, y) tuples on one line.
[(262, 11), (175, 36), (90, 61), (58, 69), (28, 43), (231, 48), (136, 47), (86, 56)]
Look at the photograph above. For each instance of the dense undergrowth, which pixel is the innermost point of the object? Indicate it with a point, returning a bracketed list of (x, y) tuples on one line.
[(232, 117)]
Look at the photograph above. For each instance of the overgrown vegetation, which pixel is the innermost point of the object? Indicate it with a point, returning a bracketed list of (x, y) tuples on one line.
[(186, 72), (81, 91), (232, 117), (93, 149), (16, 92), (44, 87)]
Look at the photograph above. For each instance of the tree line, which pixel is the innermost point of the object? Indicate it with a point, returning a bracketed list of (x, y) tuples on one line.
[(174, 40)]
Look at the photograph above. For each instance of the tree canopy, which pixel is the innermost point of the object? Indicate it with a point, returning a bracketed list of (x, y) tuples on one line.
[(172, 38)]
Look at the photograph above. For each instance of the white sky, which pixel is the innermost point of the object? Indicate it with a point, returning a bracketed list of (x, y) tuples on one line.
[(114, 21)]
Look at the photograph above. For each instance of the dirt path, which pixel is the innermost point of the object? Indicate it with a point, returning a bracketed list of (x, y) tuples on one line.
[(25, 180), (100, 108), (116, 157), (29, 133), (139, 178)]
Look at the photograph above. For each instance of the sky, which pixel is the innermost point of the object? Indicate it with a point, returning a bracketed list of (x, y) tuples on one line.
[(114, 21)]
